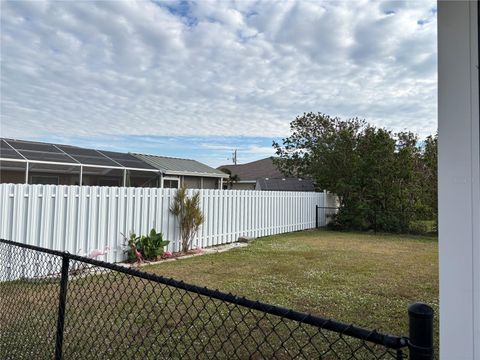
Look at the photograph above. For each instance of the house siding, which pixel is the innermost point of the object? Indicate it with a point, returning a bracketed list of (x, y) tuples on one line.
[(12, 177), (210, 183)]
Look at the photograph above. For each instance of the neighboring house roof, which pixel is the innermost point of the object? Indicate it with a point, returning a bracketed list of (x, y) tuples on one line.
[(285, 184), (254, 170), (266, 176), (177, 166)]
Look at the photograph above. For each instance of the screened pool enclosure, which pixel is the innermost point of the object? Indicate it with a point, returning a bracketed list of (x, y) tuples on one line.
[(44, 163)]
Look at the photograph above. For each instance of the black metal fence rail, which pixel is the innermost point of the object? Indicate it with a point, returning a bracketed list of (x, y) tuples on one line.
[(56, 304)]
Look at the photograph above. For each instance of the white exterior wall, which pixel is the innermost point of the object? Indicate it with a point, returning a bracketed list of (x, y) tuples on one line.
[(459, 184), (80, 219)]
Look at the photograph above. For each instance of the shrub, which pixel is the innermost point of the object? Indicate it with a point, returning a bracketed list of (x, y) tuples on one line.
[(150, 247), (131, 246), (422, 227)]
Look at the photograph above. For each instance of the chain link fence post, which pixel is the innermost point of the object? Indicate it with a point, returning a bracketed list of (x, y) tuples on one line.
[(62, 299), (420, 331)]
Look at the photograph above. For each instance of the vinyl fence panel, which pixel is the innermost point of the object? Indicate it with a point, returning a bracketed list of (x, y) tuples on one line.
[(80, 219)]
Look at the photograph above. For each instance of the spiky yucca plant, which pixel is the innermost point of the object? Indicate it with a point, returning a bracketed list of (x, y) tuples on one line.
[(190, 216)]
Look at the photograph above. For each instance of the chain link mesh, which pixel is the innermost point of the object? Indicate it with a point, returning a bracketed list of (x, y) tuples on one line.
[(111, 314)]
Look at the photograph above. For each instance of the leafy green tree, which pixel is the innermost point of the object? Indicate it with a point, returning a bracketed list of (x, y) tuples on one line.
[(429, 169), (380, 177)]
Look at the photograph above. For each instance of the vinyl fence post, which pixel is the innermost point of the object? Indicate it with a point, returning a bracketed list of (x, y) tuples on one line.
[(61, 308), (420, 331), (316, 216)]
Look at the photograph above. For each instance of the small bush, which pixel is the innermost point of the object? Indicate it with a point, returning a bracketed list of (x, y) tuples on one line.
[(150, 247), (422, 227)]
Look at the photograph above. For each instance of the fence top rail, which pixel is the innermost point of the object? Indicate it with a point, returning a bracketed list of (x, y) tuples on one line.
[(389, 341), (140, 188)]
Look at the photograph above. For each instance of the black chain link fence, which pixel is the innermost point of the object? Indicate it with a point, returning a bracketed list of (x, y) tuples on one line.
[(58, 305)]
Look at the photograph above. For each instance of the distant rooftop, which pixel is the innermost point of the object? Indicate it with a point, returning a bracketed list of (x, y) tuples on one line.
[(266, 176), (177, 166), (285, 184), (255, 170)]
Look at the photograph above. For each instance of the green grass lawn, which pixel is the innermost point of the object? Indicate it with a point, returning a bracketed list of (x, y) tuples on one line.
[(367, 280)]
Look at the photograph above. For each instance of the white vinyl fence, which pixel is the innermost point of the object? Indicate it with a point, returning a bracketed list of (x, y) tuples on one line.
[(81, 219)]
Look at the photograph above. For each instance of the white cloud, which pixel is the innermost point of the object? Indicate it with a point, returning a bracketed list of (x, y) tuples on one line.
[(246, 68)]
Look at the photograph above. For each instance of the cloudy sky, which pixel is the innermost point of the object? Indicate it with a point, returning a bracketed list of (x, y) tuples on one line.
[(197, 79)]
